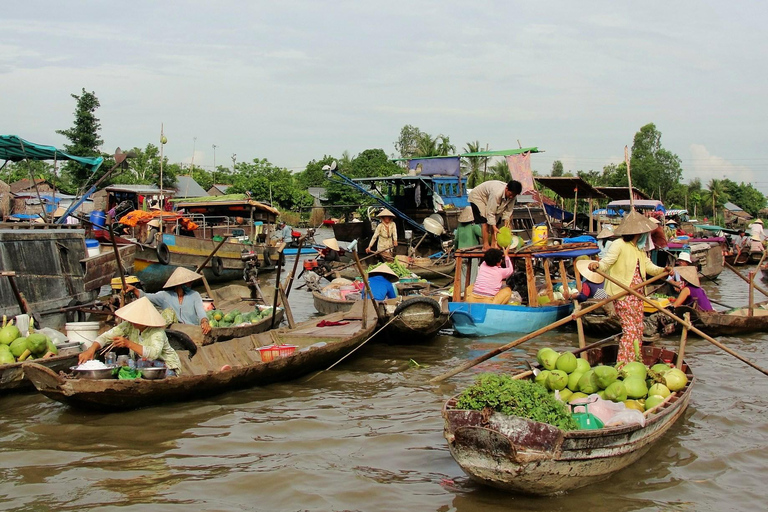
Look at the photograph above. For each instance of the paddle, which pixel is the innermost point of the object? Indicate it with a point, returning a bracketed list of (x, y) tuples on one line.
[(688, 325), (553, 325), (758, 288)]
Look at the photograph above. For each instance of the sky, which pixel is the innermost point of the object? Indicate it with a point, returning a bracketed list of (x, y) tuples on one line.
[(293, 81)]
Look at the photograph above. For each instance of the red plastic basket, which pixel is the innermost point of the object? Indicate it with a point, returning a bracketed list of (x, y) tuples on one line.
[(272, 352)]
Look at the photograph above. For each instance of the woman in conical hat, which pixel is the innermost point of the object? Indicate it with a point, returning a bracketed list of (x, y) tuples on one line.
[(381, 280), (178, 301), (385, 234), (142, 332), (691, 293), (627, 262)]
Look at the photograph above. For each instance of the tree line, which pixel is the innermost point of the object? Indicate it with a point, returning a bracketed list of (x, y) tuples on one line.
[(655, 170)]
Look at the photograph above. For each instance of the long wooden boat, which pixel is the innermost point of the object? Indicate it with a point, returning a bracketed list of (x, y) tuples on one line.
[(756, 250), (604, 321), (482, 319), (426, 269), (216, 368), (414, 319), (729, 323), (707, 254), (227, 299), (519, 455), (12, 375), (737, 258)]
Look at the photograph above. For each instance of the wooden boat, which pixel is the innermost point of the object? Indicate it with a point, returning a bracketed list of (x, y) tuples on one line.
[(414, 318), (604, 321), (216, 368), (519, 455), (230, 298), (706, 253), (426, 269), (729, 323), (214, 218), (12, 375), (738, 258), (755, 252), (482, 319)]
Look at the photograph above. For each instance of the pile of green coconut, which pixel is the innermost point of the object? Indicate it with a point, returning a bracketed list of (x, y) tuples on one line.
[(15, 348), (635, 384)]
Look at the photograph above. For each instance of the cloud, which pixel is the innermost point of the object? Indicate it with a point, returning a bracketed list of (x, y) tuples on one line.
[(706, 166)]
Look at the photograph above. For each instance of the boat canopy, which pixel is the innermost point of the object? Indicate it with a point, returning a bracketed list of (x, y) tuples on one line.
[(570, 187), (230, 205), (16, 149), (640, 204)]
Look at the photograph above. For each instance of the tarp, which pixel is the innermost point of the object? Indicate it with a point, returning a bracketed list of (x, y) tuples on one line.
[(16, 149), (449, 166), (557, 213), (520, 170)]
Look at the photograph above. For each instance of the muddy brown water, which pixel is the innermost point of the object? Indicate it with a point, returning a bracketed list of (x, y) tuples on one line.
[(367, 435)]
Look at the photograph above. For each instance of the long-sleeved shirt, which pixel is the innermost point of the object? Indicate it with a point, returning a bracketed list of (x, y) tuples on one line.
[(286, 234), (381, 288), (490, 200), (489, 279), (620, 262), (153, 340), (756, 232), (190, 311), (386, 234), (467, 235)]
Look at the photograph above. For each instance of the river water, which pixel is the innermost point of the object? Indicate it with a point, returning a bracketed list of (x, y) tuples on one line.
[(367, 435)]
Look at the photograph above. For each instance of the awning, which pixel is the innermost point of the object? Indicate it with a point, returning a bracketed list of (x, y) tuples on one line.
[(568, 187), (16, 149)]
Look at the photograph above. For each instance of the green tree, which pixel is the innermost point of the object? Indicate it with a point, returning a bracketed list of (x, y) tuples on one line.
[(654, 169), (434, 146), (408, 142), (716, 195), (369, 163), (84, 138), (474, 166), (314, 175), (266, 182), (557, 168)]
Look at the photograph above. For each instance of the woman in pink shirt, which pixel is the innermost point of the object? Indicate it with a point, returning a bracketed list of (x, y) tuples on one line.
[(490, 278)]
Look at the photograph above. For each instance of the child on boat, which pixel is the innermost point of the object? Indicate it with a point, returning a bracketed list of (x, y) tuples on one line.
[(593, 284), (491, 276)]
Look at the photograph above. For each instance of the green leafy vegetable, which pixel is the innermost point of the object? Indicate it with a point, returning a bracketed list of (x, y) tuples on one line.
[(514, 397)]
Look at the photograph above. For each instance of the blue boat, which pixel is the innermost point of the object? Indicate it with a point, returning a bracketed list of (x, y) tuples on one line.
[(483, 319), (478, 319), (292, 251)]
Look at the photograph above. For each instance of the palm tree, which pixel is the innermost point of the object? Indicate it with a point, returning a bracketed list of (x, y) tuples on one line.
[(716, 193), (472, 165), (434, 146)]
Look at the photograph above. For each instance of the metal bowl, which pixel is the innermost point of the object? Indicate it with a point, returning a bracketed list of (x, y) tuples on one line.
[(105, 373), (153, 373)]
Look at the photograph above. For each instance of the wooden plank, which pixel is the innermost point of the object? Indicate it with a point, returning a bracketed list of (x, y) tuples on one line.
[(548, 282), (580, 328), (564, 280), (457, 280), (288, 312), (533, 299)]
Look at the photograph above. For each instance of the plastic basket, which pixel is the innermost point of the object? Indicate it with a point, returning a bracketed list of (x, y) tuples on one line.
[(272, 352)]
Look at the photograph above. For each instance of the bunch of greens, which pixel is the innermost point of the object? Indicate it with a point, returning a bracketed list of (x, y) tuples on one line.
[(397, 267), (514, 397)]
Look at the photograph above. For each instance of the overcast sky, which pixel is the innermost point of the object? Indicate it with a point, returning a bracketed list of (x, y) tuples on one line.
[(292, 81)]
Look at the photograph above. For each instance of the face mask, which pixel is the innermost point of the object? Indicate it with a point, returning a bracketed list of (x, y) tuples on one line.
[(642, 241)]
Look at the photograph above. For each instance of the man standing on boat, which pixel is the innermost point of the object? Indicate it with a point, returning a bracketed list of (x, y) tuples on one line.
[(285, 232), (492, 203)]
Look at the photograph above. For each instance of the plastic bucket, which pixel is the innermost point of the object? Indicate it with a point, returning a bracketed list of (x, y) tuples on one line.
[(539, 235), (98, 218), (92, 247), (83, 332)]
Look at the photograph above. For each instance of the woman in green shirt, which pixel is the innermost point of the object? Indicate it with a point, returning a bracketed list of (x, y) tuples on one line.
[(142, 331)]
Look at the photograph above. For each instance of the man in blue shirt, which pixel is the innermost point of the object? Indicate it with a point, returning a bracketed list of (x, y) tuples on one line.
[(380, 280), (285, 232)]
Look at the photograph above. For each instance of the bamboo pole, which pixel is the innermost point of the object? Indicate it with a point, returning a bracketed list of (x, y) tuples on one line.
[(684, 323), (683, 341), (751, 311), (580, 328), (295, 266), (553, 325), (368, 290)]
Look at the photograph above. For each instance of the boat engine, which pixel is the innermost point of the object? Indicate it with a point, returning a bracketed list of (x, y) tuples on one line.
[(251, 272)]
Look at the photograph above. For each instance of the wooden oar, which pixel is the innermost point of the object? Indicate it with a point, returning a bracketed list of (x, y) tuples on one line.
[(553, 325), (295, 266), (688, 325), (199, 269)]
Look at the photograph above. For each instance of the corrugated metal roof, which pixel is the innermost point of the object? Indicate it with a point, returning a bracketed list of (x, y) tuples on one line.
[(732, 207), (186, 186)]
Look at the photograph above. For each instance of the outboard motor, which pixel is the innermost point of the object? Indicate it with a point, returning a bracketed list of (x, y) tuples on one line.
[(251, 272)]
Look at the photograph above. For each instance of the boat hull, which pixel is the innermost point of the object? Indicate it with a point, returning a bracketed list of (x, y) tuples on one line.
[(480, 319), (326, 305), (215, 368), (12, 375), (522, 456)]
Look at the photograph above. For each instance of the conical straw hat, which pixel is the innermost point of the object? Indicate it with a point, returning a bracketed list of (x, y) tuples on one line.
[(583, 266), (466, 215), (605, 233), (690, 274), (386, 213), (634, 224), (141, 312), (331, 243), (385, 271), (181, 276)]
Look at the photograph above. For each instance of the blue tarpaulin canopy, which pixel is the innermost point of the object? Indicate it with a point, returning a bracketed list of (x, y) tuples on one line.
[(16, 149), (446, 166)]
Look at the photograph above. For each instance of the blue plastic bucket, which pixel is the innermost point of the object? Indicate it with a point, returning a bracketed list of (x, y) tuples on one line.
[(98, 218)]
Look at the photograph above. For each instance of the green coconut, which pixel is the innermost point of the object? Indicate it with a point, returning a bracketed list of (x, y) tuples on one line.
[(18, 346), (573, 380), (588, 383), (565, 394), (659, 389), (541, 378), (616, 392), (547, 358), (566, 362), (606, 375), (6, 357), (652, 401), (635, 387), (635, 369), (557, 380), (582, 365), (675, 379), (8, 334)]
